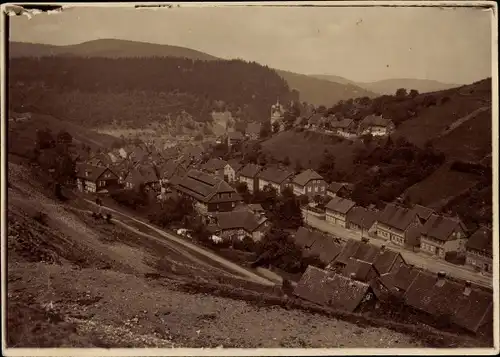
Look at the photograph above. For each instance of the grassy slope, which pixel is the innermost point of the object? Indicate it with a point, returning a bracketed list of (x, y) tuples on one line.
[(312, 90)]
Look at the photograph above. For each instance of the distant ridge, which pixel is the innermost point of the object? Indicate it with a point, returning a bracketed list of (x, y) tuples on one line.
[(316, 91), (390, 86)]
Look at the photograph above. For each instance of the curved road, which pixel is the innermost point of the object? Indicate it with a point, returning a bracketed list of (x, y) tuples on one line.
[(218, 259)]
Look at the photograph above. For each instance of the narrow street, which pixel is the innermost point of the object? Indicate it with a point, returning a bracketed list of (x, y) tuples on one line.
[(418, 259)]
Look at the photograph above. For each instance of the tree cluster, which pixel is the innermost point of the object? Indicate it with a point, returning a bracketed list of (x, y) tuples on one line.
[(97, 91)]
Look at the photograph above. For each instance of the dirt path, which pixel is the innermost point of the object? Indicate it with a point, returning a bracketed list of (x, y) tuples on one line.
[(463, 120), (221, 261)]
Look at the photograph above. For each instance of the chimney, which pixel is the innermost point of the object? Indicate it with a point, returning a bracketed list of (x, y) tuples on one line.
[(468, 288)]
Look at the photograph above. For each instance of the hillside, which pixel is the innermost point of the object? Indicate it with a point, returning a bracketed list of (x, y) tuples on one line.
[(390, 86), (323, 92), (313, 90), (110, 48), (65, 269), (98, 91)]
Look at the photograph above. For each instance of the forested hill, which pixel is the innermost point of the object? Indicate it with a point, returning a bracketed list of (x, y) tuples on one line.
[(97, 91)]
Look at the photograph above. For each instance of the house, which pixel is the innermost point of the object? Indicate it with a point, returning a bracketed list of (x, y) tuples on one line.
[(441, 235), (337, 209), (95, 178), (309, 183), (210, 193), (215, 167), (460, 303), (333, 290), (314, 121), (361, 220), (399, 225), (360, 270), (234, 137), (231, 170), (239, 224), (142, 175), (399, 280), (424, 213), (255, 208), (314, 243), (248, 175), (253, 130), (376, 126), (170, 169), (277, 178), (100, 159), (383, 260), (345, 128), (337, 189), (479, 250)]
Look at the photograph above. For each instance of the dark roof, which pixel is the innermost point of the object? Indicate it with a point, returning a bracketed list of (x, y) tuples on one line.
[(401, 278), (253, 128), (213, 165), (396, 216), (256, 207), (142, 174), (335, 186), (342, 124), (481, 240), (275, 175), (330, 289), (339, 204), (305, 176), (382, 259), (250, 170), (171, 168), (235, 164), (358, 269), (317, 243), (361, 217), (374, 120), (423, 212), (95, 172), (448, 299), (204, 187), (441, 228), (239, 220)]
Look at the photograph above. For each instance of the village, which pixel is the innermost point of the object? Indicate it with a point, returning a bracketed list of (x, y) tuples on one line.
[(412, 253)]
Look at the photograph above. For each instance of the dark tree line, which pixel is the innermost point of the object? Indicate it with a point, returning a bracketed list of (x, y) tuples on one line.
[(130, 89)]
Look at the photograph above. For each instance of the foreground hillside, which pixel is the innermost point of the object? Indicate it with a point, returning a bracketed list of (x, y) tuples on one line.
[(312, 90), (71, 279)]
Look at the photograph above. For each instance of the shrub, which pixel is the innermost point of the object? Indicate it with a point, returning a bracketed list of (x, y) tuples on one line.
[(41, 218), (108, 218)]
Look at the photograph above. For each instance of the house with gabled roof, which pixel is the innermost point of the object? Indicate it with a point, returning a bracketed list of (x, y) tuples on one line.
[(316, 243), (362, 220), (100, 159), (441, 235), (332, 290), (170, 169), (346, 128), (337, 189), (210, 193), (337, 209), (360, 270), (215, 167), (239, 224), (249, 176), (142, 175), (424, 213), (231, 170), (479, 250), (460, 303), (400, 225), (376, 125), (309, 183), (277, 178), (234, 137), (95, 178)]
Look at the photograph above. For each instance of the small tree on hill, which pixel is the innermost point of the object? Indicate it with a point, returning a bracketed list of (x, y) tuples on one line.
[(413, 93), (401, 93)]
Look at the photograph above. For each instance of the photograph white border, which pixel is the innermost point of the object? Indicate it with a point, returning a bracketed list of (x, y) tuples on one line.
[(486, 5)]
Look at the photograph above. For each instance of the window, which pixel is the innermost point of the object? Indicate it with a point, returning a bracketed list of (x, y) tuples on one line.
[(309, 189), (322, 188)]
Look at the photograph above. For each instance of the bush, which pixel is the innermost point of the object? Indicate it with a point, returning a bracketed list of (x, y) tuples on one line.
[(108, 218), (41, 218)]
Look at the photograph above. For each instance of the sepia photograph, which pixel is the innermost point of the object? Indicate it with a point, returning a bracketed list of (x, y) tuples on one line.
[(214, 177)]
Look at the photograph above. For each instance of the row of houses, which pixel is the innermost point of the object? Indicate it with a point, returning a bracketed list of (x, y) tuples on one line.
[(417, 228), (349, 128), (358, 273)]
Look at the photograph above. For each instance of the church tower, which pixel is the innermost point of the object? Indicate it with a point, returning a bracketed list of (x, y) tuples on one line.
[(277, 112)]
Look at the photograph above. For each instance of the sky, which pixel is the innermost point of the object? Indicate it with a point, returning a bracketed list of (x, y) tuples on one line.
[(450, 45)]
